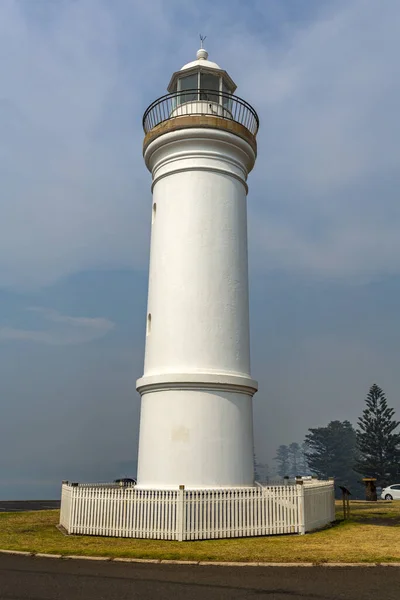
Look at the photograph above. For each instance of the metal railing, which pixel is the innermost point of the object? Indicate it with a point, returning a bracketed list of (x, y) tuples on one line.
[(201, 102), (111, 484)]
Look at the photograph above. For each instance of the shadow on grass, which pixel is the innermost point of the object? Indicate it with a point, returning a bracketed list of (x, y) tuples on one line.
[(381, 521)]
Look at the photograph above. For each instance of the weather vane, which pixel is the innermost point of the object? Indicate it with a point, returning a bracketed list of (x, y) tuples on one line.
[(202, 38)]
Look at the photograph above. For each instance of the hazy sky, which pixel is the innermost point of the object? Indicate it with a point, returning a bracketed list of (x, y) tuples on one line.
[(324, 217)]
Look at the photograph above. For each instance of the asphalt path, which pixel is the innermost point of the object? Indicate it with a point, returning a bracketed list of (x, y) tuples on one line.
[(24, 505), (30, 578)]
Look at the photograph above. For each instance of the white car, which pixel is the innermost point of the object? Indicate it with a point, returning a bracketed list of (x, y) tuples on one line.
[(392, 492)]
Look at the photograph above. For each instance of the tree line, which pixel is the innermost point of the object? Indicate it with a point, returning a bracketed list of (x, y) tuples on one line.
[(348, 454)]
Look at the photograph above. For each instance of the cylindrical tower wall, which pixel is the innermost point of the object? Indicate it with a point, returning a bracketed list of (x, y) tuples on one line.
[(202, 438), (198, 282), (196, 419)]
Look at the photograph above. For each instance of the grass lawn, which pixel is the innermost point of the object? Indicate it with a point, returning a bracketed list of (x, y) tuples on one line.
[(371, 535)]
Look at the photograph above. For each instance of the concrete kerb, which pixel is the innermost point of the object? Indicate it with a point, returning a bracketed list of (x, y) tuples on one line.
[(18, 552), (201, 563), (138, 560), (350, 564), (74, 557)]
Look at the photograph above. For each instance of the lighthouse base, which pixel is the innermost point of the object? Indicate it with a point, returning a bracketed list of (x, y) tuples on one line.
[(197, 430), (184, 515)]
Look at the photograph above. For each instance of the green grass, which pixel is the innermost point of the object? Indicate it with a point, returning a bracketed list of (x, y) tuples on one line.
[(371, 535)]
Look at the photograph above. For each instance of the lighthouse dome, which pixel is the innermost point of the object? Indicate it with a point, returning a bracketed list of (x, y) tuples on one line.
[(202, 56)]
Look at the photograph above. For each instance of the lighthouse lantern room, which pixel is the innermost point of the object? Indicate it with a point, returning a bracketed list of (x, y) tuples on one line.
[(200, 78)]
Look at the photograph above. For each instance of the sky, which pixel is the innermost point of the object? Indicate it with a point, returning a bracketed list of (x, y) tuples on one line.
[(75, 201)]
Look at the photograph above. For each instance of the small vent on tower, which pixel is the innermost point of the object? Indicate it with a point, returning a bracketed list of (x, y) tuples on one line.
[(148, 330), (153, 218)]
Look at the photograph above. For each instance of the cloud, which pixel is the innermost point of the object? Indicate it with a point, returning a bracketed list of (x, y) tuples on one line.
[(326, 201), (70, 130), (61, 330), (75, 81)]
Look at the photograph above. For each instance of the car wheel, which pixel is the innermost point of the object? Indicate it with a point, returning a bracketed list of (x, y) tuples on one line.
[(388, 497)]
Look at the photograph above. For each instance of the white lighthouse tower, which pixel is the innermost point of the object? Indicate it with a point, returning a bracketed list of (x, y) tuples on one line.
[(196, 425), (195, 464)]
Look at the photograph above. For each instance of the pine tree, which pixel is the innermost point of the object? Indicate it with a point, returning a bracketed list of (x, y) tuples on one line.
[(304, 468), (261, 470), (282, 458), (256, 467), (332, 453), (377, 441), (294, 458)]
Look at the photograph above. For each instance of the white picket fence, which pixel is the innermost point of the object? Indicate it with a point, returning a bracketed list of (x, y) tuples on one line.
[(196, 514), (319, 505)]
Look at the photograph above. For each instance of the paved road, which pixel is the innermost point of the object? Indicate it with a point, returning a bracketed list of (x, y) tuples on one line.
[(23, 505), (26, 578)]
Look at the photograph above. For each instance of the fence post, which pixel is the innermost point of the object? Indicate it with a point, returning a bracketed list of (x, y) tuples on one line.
[(301, 497), (62, 506), (72, 512), (69, 492), (333, 508), (181, 512)]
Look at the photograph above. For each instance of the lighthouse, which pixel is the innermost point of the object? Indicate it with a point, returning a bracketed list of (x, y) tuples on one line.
[(196, 423), (195, 476)]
